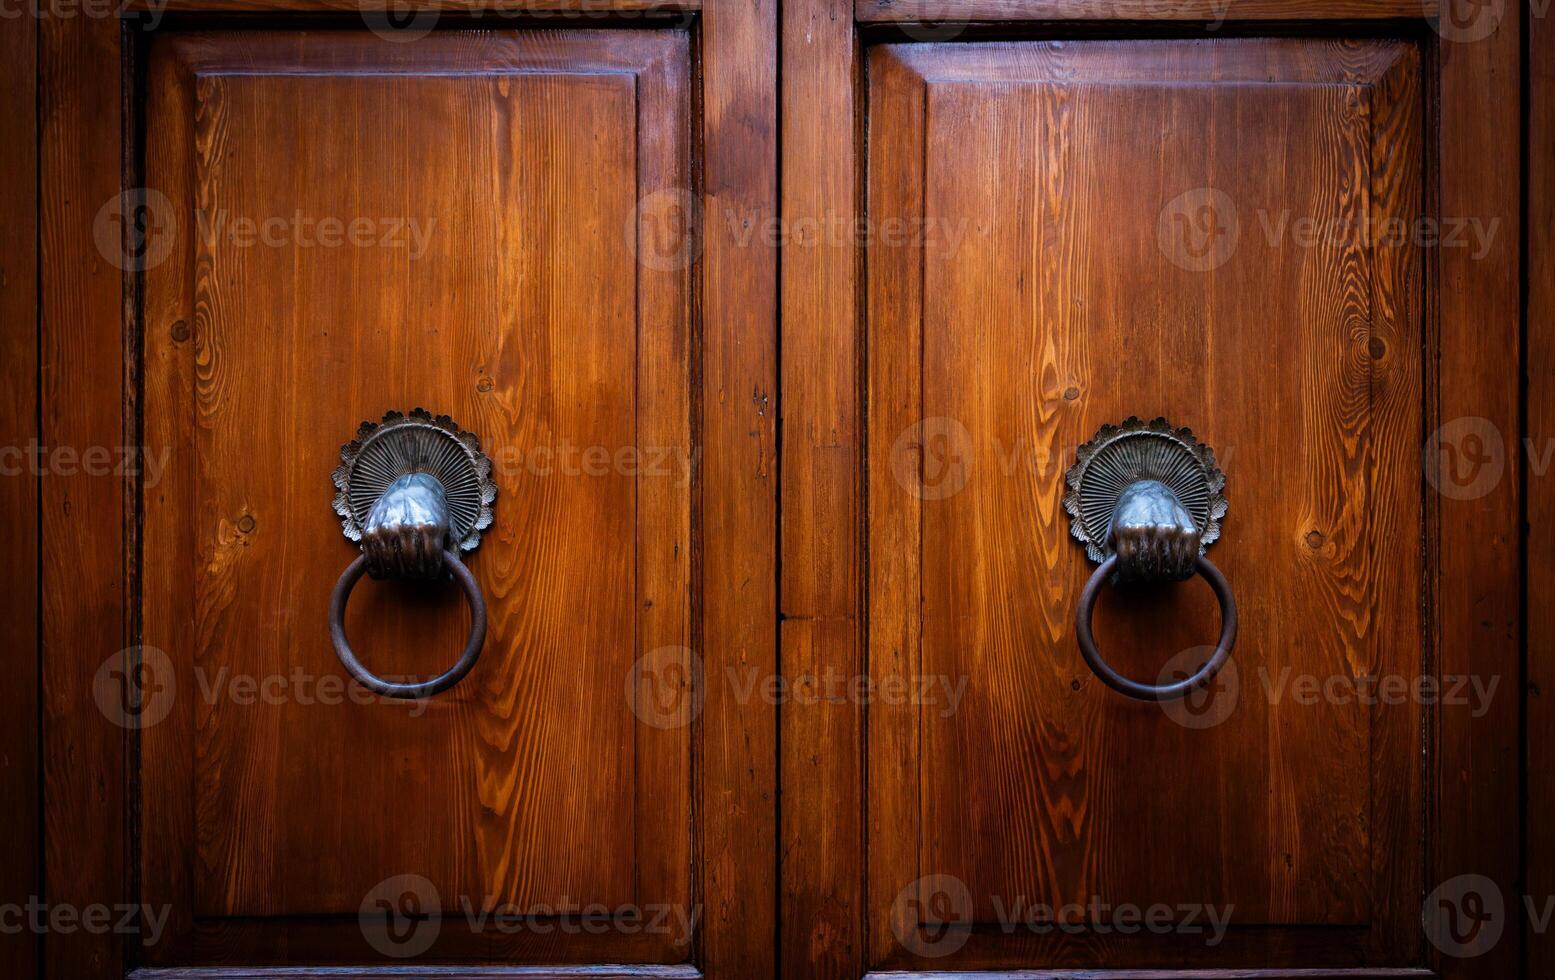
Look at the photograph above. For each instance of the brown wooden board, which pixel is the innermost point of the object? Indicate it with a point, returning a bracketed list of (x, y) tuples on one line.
[(1051, 293), (88, 240), (822, 843), (243, 381), (529, 319), (1539, 546), (1210, 12), (1475, 755), (20, 480)]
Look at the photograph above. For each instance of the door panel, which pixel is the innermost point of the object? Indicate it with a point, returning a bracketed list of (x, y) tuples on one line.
[(1195, 230), (496, 280)]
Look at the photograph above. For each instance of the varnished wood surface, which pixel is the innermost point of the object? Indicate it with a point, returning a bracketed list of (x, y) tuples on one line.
[(528, 319), (1215, 12), (1058, 310), (730, 347), (1475, 759), (19, 733), (475, 7), (1357, 974), (822, 846), (737, 789), (632, 972), (83, 395), (1250, 62), (1539, 546), (1398, 400)]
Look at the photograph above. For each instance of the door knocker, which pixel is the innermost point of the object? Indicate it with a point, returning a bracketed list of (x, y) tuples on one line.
[(414, 491), (1147, 500)]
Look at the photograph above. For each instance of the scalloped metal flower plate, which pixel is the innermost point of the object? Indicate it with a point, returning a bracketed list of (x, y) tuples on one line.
[(1136, 450), (419, 442)]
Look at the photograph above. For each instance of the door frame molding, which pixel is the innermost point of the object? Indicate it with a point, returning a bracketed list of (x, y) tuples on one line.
[(88, 350), (1474, 153)]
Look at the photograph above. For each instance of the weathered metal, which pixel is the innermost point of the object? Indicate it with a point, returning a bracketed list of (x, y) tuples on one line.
[(1146, 501), (414, 490)]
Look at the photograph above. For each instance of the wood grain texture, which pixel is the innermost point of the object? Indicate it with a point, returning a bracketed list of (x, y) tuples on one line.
[(473, 7), (519, 308), (1475, 756), (1213, 12), (894, 296), (1253, 974), (82, 580), (19, 482), (737, 788), (1396, 392), (632, 972), (822, 845), (1045, 300), (1539, 546)]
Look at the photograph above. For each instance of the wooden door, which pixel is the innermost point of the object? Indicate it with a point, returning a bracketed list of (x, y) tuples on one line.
[(717, 732), (1053, 316), (513, 167), (517, 225), (1237, 226)]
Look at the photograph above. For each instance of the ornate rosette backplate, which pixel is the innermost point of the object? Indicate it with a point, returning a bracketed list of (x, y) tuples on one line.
[(419, 442), (1119, 455)]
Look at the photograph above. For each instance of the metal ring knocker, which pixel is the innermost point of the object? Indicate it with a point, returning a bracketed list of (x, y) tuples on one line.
[(1147, 501), (394, 689), (1155, 692), (414, 491)]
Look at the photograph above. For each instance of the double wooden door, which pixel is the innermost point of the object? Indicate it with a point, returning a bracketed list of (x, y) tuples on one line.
[(779, 339)]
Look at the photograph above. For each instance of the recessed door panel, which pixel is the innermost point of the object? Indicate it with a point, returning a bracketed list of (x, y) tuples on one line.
[(365, 227), (1220, 233)]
